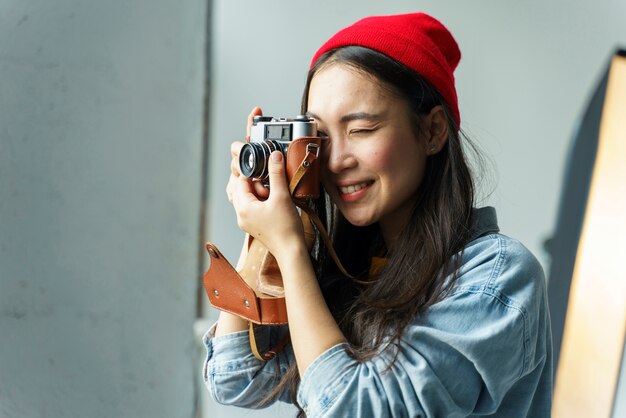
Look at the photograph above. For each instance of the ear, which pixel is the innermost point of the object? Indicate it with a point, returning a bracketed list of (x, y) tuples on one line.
[(436, 130)]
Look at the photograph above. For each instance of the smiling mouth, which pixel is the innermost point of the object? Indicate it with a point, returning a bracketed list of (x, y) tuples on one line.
[(354, 188)]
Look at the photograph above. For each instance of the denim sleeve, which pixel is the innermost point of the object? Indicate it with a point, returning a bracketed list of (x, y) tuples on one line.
[(234, 376), (462, 357)]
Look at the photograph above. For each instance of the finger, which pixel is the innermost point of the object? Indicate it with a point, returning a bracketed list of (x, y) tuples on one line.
[(234, 167), (230, 188), (261, 190), (235, 149), (276, 169), (229, 193), (243, 193), (256, 111)]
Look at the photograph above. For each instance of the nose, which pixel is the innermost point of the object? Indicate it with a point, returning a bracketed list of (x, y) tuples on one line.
[(338, 155)]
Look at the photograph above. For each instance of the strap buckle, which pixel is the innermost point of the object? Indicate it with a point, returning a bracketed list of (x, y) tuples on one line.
[(313, 147)]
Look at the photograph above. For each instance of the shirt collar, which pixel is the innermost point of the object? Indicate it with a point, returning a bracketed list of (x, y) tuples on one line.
[(484, 221)]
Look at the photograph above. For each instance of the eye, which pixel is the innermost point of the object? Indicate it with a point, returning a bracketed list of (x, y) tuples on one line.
[(322, 134), (361, 131)]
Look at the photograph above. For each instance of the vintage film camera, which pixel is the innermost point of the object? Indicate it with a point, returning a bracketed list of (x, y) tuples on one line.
[(269, 134)]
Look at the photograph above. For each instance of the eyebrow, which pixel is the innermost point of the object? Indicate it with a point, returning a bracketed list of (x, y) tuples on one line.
[(350, 117)]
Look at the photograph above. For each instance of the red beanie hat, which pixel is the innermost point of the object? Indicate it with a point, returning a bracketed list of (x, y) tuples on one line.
[(416, 40)]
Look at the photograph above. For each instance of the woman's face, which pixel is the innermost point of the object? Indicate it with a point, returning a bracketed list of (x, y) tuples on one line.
[(373, 160)]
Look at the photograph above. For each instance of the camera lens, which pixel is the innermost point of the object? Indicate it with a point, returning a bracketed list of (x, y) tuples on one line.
[(249, 162), (254, 156)]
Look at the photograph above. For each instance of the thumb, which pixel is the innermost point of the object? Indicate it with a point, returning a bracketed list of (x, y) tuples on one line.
[(276, 171)]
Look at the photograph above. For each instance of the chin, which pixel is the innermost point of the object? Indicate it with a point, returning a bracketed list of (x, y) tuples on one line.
[(359, 221)]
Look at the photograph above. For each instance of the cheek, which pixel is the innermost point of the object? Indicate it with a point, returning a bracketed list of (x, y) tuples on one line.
[(381, 159), (402, 167)]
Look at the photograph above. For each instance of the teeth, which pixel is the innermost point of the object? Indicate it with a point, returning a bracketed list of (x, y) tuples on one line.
[(353, 188)]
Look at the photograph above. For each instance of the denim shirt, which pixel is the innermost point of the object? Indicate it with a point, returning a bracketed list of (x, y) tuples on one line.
[(484, 350)]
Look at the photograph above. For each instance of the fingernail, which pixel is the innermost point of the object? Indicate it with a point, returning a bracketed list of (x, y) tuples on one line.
[(277, 156)]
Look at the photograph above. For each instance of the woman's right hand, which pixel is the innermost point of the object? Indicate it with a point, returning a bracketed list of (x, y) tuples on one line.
[(235, 148)]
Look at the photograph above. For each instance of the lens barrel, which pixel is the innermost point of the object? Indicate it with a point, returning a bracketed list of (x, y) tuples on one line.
[(254, 157)]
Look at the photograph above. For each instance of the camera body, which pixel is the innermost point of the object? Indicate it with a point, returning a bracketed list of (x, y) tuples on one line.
[(268, 134)]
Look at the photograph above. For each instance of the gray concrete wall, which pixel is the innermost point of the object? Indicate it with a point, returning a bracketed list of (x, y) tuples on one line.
[(100, 148)]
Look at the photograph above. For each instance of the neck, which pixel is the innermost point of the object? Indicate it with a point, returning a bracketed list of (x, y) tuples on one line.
[(392, 228), (392, 225)]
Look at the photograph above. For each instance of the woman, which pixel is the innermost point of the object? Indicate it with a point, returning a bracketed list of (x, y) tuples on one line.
[(452, 319)]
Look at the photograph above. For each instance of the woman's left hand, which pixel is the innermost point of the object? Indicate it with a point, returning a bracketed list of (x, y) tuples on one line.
[(274, 221)]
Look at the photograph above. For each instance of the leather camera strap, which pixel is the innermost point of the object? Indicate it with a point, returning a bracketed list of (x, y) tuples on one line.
[(308, 212), (312, 152), (269, 354), (329, 245)]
